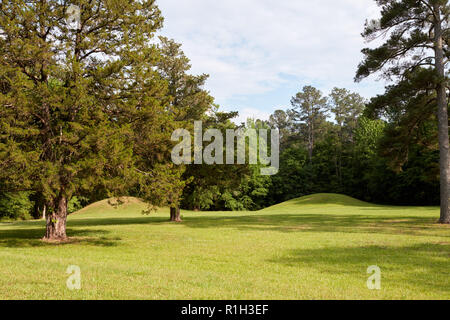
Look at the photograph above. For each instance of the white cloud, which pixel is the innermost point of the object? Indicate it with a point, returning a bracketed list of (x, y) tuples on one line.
[(248, 45)]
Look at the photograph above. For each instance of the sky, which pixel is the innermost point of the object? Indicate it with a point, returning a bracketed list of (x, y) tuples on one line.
[(260, 53)]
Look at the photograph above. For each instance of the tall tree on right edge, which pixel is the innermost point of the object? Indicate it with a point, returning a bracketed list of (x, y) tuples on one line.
[(418, 35)]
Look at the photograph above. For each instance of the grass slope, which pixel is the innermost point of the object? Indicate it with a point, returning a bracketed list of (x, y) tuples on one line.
[(316, 247)]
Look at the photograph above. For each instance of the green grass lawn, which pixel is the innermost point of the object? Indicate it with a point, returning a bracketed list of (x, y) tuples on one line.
[(316, 247)]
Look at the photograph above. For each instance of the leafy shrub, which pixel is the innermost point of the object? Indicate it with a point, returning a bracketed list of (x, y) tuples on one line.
[(16, 205), (76, 203)]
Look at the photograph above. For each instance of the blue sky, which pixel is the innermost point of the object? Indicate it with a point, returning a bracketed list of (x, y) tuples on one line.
[(259, 53)]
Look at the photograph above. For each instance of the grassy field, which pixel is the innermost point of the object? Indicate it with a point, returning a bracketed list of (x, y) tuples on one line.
[(316, 247)]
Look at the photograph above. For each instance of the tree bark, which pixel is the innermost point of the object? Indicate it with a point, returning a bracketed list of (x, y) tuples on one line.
[(443, 118), (56, 222), (175, 214), (178, 215)]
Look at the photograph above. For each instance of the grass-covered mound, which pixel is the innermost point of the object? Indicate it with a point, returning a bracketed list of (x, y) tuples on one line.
[(316, 247)]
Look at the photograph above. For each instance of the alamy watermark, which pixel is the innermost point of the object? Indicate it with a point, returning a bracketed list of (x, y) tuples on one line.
[(374, 281), (257, 147), (73, 20), (74, 280)]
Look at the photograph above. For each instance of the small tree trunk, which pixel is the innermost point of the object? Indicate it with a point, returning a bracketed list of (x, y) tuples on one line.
[(56, 222), (443, 119), (178, 215), (175, 214), (44, 211)]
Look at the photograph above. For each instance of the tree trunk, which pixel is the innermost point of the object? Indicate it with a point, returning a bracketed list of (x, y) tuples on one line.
[(175, 214), (310, 140), (44, 210), (56, 222), (443, 119), (178, 215)]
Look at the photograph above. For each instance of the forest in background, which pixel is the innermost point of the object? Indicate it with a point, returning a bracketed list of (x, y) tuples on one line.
[(329, 144)]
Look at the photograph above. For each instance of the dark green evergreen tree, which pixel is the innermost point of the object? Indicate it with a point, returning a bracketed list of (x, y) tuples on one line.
[(79, 100)]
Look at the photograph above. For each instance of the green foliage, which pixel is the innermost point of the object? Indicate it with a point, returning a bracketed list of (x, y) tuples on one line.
[(251, 194), (85, 110), (75, 204), (212, 186), (408, 25), (15, 205), (308, 114), (227, 187), (355, 154), (367, 136), (414, 55), (295, 177), (409, 109), (88, 113)]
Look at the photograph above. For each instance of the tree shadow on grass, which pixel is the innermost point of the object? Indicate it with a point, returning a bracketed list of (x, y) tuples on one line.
[(117, 221), (422, 265), (21, 238), (30, 233), (393, 224), (288, 223)]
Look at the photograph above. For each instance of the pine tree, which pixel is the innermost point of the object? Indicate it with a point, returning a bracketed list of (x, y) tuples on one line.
[(309, 110), (346, 108), (418, 35)]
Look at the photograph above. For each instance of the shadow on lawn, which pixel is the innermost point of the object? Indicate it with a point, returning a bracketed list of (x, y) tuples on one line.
[(30, 233), (394, 224), (21, 238), (421, 265), (117, 221)]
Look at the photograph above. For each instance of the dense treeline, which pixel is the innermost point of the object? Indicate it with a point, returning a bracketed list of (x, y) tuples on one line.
[(331, 144), (352, 154)]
